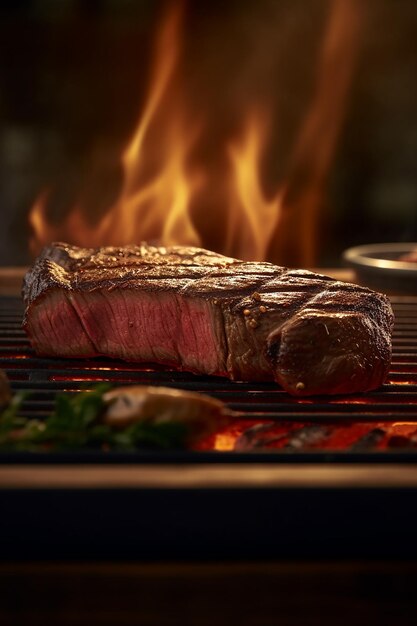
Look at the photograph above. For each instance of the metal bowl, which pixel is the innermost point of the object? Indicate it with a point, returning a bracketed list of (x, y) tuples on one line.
[(377, 266)]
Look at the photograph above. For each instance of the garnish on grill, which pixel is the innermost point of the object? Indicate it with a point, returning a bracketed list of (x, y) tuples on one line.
[(125, 418), (200, 414), (210, 314)]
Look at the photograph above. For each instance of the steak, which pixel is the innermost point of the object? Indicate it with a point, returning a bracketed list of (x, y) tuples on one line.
[(202, 312)]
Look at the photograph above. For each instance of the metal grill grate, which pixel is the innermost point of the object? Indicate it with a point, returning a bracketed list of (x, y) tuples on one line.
[(382, 420)]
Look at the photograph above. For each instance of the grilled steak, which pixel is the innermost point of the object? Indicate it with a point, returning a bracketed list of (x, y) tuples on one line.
[(210, 314)]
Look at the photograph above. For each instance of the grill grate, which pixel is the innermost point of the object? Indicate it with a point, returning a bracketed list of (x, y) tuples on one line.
[(383, 420)]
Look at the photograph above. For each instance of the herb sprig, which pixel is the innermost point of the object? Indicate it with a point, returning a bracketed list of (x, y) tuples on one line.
[(76, 423)]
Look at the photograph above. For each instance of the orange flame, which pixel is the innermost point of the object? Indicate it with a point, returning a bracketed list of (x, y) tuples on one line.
[(252, 218), (159, 208), (296, 236), (158, 200)]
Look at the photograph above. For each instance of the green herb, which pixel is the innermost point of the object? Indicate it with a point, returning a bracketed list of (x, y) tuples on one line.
[(10, 422), (76, 423), (152, 435)]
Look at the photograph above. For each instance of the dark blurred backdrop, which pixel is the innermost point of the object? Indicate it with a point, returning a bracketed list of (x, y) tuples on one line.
[(74, 75)]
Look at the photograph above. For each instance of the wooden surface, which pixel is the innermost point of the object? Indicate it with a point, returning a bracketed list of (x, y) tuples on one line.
[(203, 594)]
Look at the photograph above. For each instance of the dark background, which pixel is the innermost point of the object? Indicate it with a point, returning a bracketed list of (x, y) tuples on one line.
[(74, 75)]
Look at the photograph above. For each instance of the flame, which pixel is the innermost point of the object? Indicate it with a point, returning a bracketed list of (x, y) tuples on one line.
[(162, 180), (252, 218), (296, 236), (149, 207)]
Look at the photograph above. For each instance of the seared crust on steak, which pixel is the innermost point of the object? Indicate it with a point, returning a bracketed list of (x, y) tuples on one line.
[(211, 314)]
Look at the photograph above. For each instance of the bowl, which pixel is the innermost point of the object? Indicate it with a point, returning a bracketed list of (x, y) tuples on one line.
[(378, 266)]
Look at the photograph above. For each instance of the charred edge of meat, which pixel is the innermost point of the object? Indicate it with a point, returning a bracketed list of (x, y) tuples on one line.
[(319, 352)]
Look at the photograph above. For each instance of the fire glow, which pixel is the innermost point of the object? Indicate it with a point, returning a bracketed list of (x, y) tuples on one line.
[(159, 196)]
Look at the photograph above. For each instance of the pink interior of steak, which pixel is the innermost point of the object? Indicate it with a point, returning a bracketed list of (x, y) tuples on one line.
[(166, 329)]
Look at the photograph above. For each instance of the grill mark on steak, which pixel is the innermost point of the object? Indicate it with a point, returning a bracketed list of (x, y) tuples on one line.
[(211, 314)]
